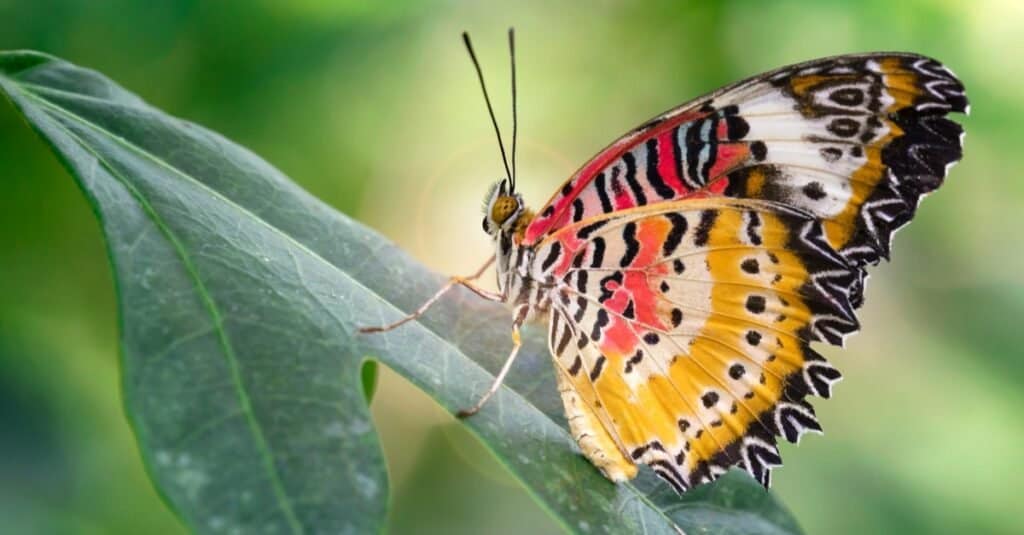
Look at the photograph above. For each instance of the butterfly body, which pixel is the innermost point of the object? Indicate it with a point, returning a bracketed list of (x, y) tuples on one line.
[(529, 288), (686, 269)]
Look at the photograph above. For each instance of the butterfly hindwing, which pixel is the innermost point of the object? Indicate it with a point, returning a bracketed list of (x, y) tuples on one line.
[(853, 140), (681, 334)]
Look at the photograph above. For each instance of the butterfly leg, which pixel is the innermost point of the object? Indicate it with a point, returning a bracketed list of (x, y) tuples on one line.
[(452, 282), (520, 317)]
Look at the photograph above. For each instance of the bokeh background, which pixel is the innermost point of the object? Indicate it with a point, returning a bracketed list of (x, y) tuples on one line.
[(375, 109)]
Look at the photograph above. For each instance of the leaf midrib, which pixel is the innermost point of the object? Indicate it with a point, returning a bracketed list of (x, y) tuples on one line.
[(245, 211)]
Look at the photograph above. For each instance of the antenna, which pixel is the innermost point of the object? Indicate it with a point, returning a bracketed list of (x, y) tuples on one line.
[(512, 59), (490, 110)]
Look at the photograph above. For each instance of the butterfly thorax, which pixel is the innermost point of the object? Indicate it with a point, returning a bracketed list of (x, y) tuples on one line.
[(506, 219), (517, 277)]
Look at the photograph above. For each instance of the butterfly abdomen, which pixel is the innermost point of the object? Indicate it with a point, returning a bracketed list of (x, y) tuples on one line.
[(593, 438)]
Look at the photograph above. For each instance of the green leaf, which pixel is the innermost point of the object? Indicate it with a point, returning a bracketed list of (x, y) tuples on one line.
[(240, 297)]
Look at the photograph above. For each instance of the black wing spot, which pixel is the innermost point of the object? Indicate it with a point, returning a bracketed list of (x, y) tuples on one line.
[(753, 338), (831, 154), (598, 366), (597, 257), (653, 175), (634, 184), (753, 234), (564, 340), (814, 191), (602, 320), (585, 232), (581, 280), (736, 127), (632, 245), (577, 210), (703, 233), (849, 96), (756, 304), (602, 193), (581, 309), (844, 127), (576, 365), (677, 317), (583, 341), (634, 360), (675, 235), (609, 285), (759, 150), (630, 311), (553, 254)]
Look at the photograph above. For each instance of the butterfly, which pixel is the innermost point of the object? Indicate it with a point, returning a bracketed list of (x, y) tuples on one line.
[(686, 270)]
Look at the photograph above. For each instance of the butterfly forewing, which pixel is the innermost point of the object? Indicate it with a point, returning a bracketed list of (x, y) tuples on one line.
[(854, 140)]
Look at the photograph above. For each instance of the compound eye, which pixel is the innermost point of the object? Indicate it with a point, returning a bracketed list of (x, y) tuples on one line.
[(487, 227)]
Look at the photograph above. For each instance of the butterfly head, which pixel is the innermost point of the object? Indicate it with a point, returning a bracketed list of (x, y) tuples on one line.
[(503, 209)]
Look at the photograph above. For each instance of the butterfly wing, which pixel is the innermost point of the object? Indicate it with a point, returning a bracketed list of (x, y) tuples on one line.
[(854, 140), (681, 332)]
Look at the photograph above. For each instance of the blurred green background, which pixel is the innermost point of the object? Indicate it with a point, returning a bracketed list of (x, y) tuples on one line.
[(374, 108)]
